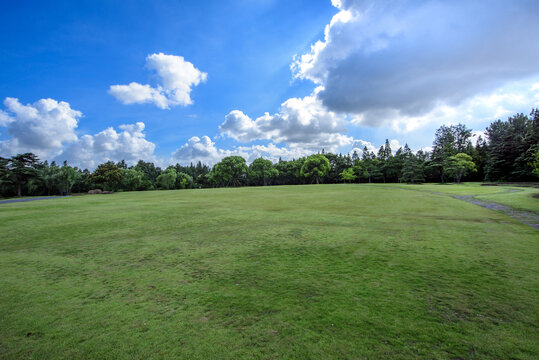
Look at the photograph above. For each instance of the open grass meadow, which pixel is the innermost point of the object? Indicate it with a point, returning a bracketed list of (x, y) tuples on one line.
[(303, 272)]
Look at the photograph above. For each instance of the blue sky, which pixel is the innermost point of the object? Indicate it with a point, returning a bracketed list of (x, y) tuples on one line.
[(197, 77)]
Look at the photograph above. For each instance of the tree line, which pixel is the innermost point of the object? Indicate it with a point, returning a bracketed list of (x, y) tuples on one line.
[(510, 152)]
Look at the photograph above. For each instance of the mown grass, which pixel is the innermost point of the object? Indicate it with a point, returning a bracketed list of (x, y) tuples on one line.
[(329, 271), (517, 197)]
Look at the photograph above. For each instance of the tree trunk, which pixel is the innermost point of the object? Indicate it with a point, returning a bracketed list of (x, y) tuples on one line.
[(19, 190)]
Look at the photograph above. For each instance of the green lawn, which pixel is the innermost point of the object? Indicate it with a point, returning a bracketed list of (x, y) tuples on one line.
[(320, 271), (513, 196), (520, 198)]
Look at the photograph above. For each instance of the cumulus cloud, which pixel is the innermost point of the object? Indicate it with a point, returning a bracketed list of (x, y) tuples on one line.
[(301, 123), (5, 118), (358, 145), (135, 93), (177, 78), (42, 127), (204, 149), (480, 109), (475, 136), (198, 149), (271, 152), (110, 145), (395, 145), (405, 59)]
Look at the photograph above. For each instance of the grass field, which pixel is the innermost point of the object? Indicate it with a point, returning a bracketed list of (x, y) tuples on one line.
[(320, 271), (517, 197)]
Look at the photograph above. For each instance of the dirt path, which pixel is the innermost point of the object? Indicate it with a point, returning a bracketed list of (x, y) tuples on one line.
[(526, 217), (529, 218), (32, 199)]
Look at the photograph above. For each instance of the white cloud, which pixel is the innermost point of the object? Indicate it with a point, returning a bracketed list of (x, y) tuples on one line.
[(109, 145), (203, 149), (408, 59), (135, 93), (475, 136), (271, 152), (42, 128), (358, 145), (475, 111), (361, 144), (198, 149), (301, 123), (395, 145), (177, 78), (5, 118)]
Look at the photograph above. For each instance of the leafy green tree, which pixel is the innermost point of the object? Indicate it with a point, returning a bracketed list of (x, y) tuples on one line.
[(150, 171), (479, 155), (449, 141), (512, 145), (231, 170), (21, 168), (184, 181), (290, 172), (7, 178), (108, 175), (459, 165), (393, 166), (50, 177), (203, 180), (385, 151), (369, 169), (529, 146), (262, 170), (348, 175), (338, 163), (535, 164), (132, 179), (69, 175), (315, 167), (84, 183), (412, 169), (168, 178), (385, 156), (121, 164), (370, 166)]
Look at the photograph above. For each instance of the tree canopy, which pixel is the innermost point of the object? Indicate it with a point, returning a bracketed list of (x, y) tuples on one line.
[(508, 152), (108, 175), (315, 167), (458, 165), (168, 178), (230, 171), (262, 170)]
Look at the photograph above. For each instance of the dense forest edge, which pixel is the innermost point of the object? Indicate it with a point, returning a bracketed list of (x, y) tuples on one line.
[(509, 153)]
